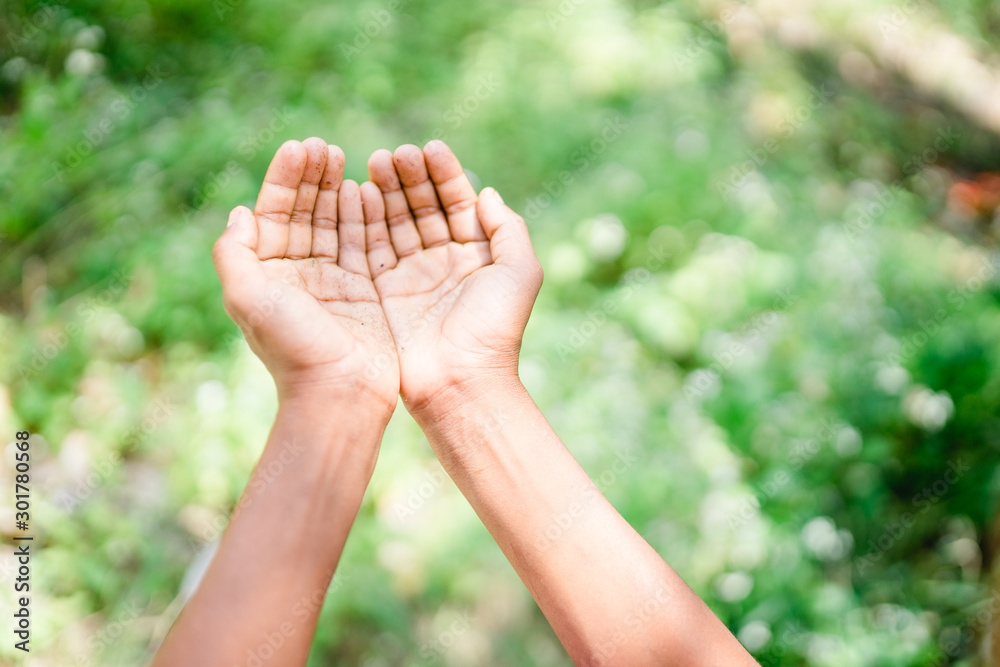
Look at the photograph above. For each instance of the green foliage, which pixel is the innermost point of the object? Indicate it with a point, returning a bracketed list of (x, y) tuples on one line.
[(762, 331)]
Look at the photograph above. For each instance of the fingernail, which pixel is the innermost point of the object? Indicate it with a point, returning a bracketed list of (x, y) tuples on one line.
[(232, 217), (499, 198)]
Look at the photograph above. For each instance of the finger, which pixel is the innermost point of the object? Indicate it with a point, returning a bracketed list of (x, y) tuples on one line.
[(324, 219), (421, 195), (381, 256), (509, 241), (402, 228), (235, 257), (277, 199), (351, 230), (454, 191), (300, 222)]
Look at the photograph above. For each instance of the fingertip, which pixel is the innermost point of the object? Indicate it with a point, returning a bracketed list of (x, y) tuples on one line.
[(335, 154), (381, 169), (491, 194), (487, 211), (379, 157), (240, 231), (436, 147), (315, 145), (490, 198), (370, 192), (407, 155), (238, 215), (411, 169), (293, 148), (244, 225), (492, 212), (333, 173), (286, 170)]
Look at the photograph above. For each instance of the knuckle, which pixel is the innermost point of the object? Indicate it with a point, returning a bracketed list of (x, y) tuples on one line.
[(460, 206), (399, 219), (300, 218)]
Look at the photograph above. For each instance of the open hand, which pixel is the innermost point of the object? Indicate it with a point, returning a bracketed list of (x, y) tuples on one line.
[(456, 273), (296, 281)]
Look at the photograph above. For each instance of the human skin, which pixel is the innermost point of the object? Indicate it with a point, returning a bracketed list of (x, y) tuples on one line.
[(457, 278), (295, 279)]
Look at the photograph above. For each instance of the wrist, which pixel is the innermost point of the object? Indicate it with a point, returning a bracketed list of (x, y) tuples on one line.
[(322, 395), (333, 407), (477, 401), (324, 438)]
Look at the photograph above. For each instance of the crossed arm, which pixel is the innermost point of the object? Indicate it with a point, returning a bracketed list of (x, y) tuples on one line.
[(411, 284)]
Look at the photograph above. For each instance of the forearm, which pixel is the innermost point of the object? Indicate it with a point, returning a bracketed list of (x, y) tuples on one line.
[(275, 561), (609, 596)]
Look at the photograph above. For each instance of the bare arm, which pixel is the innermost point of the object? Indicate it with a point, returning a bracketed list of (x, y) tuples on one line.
[(262, 595), (457, 286), (296, 281), (610, 597)]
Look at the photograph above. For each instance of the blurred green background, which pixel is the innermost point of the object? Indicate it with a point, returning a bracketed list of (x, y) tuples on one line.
[(769, 327)]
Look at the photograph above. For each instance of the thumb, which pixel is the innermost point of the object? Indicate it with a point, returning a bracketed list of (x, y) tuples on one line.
[(242, 227), (234, 253), (510, 243)]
